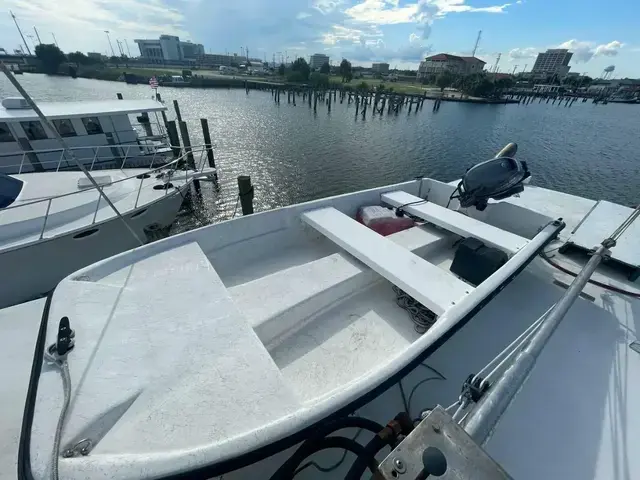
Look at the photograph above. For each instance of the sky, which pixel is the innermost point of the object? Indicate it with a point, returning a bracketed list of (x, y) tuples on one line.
[(400, 32)]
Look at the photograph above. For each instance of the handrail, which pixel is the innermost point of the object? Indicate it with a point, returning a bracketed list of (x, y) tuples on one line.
[(202, 149), (143, 150), (198, 149)]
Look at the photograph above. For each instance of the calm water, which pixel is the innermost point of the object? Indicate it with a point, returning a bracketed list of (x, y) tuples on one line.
[(294, 155)]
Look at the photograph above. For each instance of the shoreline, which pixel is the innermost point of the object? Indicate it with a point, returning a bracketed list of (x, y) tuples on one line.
[(142, 76)]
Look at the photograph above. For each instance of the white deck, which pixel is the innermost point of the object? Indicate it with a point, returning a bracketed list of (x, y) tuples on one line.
[(19, 329), (603, 220), (24, 223), (55, 110)]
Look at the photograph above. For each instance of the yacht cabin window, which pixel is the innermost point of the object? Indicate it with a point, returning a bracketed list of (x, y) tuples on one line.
[(92, 125), (34, 130), (5, 133), (64, 127)]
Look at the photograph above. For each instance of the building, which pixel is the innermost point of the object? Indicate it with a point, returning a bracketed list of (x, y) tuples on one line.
[(555, 61), (317, 60), (169, 49), (444, 62), (382, 68), (97, 56)]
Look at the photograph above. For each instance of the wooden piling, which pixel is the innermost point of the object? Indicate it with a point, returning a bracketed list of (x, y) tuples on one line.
[(315, 102), (191, 163), (207, 142), (186, 142), (174, 139), (176, 107), (245, 192)]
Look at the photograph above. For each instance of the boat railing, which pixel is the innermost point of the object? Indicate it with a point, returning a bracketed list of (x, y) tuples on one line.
[(172, 171), (93, 157)]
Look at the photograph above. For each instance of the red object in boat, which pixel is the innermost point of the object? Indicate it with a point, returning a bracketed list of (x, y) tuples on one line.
[(383, 220)]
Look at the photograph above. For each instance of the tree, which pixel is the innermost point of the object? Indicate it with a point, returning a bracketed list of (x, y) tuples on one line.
[(301, 65), (319, 80), (345, 70), (295, 77), (50, 56), (503, 84), (444, 80), (325, 68), (363, 86), (281, 70), (78, 58)]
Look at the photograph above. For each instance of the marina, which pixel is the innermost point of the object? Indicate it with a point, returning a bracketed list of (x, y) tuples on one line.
[(319, 318)]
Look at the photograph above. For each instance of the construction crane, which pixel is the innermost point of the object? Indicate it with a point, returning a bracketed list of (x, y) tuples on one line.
[(495, 68), (20, 31), (475, 47)]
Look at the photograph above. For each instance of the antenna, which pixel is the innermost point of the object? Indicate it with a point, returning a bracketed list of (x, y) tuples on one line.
[(54, 39), (20, 31), (475, 47)]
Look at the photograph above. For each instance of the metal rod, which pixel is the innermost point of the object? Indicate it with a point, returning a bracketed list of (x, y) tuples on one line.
[(46, 216), (57, 136), (492, 406)]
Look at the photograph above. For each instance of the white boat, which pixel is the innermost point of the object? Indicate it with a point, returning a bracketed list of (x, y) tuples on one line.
[(221, 350), (53, 223), (102, 133)]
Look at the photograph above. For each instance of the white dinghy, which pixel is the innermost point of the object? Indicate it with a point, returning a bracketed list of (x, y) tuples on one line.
[(219, 351)]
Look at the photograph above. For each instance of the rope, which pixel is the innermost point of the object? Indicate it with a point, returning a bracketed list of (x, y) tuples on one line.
[(421, 315), (66, 383)]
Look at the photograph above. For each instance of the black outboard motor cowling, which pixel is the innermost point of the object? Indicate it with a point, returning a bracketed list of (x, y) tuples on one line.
[(497, 178)]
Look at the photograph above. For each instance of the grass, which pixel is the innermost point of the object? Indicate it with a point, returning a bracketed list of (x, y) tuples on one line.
[(399, 87)]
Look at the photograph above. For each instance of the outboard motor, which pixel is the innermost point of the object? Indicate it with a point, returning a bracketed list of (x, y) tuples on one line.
[(497, 178)]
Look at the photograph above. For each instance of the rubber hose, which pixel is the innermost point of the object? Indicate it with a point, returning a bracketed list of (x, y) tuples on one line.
[(360, 465), (323, 431), (591, 281), (325, 443)]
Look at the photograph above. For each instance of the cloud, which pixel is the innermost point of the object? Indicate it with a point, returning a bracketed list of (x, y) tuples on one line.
[(303, 15), (609, 49), (342, 34), (518, 53), (583, 51), (388, 12), (458, 6), (87, 19), (326, 6), (381, 12)]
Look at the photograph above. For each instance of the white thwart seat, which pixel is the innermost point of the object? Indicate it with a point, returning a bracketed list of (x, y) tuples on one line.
[(277, 303), (456, 222), (435, 288)]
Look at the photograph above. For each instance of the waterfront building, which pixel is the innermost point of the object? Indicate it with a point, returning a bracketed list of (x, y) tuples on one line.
[(445, 62), (169, 49), (555, 61), (382, 68), (317, 60)]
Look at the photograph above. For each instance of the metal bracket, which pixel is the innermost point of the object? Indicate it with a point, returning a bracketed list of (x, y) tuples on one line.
[(439, 447)]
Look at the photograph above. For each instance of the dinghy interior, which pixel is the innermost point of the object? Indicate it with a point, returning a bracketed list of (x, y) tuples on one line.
[(217, 351)]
